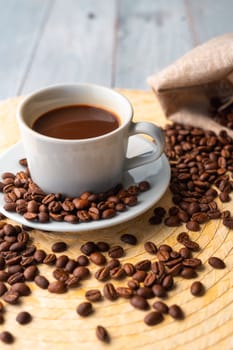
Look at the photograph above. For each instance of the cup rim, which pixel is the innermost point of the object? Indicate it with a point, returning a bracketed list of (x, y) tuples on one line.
[(34, 133)]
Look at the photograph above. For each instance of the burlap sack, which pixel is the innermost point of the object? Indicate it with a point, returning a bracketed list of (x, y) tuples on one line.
[(186, 87)]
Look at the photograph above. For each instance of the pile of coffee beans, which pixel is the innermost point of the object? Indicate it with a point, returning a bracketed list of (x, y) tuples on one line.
[(23, 196), (224, 117), (201, 175), (146, 283)]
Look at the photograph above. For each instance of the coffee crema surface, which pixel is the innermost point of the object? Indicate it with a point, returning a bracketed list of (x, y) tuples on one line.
[(76, 122)]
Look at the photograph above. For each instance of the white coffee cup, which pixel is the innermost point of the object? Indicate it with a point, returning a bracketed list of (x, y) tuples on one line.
[(95, 164)]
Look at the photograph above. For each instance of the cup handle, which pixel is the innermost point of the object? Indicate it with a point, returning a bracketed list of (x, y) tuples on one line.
[(158, 146)]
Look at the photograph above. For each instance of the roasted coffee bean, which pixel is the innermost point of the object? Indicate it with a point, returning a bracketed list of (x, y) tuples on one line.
[(97, 258), (185, 253), (144, 186), (102, 334), (176, 312), (153, 318), (167, 282), (143, 265), (163, 255), (192, 262), (30, 272), (197, 288), (193, 226), (117, 273), (150, 279), (60, 275), (71, 265), (145, 292), (129, 239), (11, 297), (125, 292), (159, 291), (15, 278), (61, 261), (72, 282), (7, 337), (155, 220), (129, 269), (193, 246), (93, 295), (108, 213), (139, 302), (83, 260), (175, 270), (116, 252), (172, 221), (24, 317), (158, 268), (139, 275), (133, 284), (81, 272), (102, 274), (39, 255), (110, 292), (188, 272), (161, 307), (88, 248), (59, 247), (113, 263), (3, 288), (41, 281), (50, 259), (150, 247), (12, 269), (4, 275), (84, 309), (21, 288), (216, 262), (130, 201), (103, 246), (183, 236), (57, 287)]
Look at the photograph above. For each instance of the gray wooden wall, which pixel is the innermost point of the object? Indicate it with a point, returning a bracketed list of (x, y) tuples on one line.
[(110, 42)]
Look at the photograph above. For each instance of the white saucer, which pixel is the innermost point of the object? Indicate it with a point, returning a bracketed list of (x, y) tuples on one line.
[(157, 173)]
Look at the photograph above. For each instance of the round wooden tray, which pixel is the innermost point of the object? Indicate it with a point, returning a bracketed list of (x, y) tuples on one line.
[(208, 322)]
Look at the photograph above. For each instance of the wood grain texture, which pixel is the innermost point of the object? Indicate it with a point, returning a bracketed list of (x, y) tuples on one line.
[(76, 45), (208, 19), (151, 35), (208, 320), (20, 26)]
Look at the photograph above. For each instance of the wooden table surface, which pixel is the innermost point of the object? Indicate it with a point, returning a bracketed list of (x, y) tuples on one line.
[(115, 43), (208, 322)]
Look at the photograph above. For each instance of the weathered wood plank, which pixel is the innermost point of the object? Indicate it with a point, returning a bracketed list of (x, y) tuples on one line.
[(20, 24), (151, 35), (76, 45), (209, 18)]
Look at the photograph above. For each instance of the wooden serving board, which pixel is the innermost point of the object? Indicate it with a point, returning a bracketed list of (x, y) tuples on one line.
[(208, 322)]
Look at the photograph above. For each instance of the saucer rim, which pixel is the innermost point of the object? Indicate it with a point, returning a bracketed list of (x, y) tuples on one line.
[(151, 197)]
